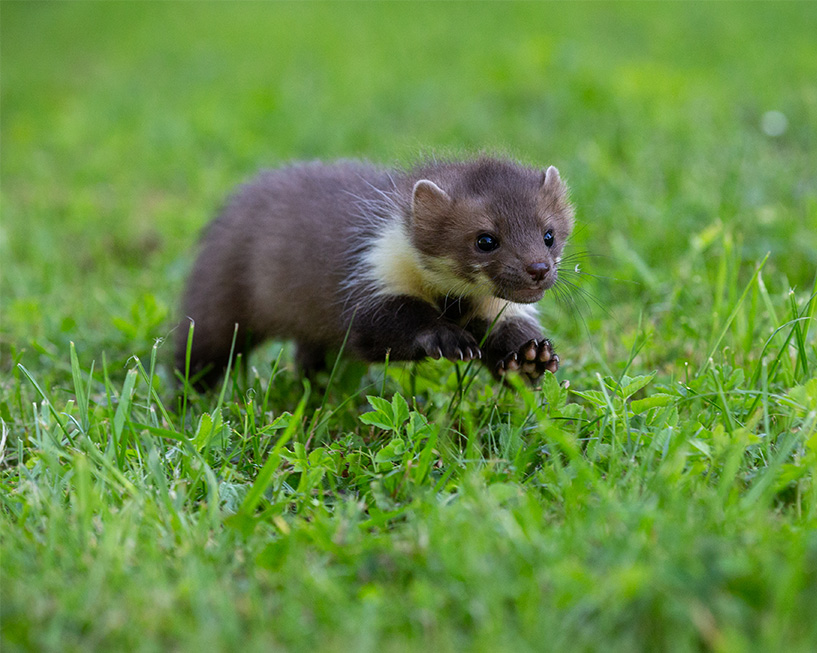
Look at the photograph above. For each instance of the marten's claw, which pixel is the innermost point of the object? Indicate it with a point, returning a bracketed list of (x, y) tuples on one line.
[(449, 342), (532, 359)]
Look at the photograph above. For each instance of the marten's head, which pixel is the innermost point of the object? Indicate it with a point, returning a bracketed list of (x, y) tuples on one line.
[(492, 228)]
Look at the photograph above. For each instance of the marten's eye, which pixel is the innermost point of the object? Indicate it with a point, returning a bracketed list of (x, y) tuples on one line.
[(487, 242), (549, 238)]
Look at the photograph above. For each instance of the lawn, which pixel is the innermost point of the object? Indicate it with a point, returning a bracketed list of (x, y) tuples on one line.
[(657, 494)]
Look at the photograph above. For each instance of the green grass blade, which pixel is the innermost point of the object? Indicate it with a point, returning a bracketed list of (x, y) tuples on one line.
[(48, 403), (122, 414), (264, 478), (80, 390), (732, 315)]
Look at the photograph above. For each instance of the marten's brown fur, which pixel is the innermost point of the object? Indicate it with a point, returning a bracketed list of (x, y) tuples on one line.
[(412, 264)]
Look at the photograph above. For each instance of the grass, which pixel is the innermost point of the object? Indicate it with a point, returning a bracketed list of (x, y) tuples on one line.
[(658, 494)]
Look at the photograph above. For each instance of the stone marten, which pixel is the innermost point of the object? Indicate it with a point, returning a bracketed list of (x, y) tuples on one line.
[(442, 260)]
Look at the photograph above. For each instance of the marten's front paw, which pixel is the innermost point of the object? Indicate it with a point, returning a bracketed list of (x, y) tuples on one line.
[(532, 359), (448, 341)]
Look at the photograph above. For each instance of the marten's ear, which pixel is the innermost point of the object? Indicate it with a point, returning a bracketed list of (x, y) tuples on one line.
[(552, 183), (428, 199)]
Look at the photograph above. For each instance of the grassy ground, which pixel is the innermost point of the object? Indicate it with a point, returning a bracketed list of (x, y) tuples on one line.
[(658, 494)]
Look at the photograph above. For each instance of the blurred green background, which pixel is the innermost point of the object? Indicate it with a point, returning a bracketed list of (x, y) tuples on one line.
[(124, 125), (688, 134)]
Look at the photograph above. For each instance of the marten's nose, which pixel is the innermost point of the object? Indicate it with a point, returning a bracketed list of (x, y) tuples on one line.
[(538, 270)]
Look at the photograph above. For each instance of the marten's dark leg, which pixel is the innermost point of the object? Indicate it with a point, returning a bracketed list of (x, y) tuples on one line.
[(311, 359), (407, 328), (210, 350), (516, 345)]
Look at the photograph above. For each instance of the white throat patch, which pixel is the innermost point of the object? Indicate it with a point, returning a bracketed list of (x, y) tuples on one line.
[(395, 267)]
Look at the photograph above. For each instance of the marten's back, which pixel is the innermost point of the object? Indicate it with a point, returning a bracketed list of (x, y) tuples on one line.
[(275, 258)]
